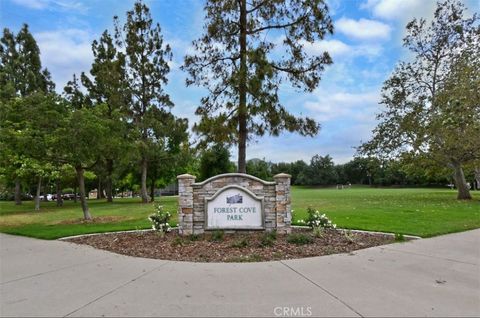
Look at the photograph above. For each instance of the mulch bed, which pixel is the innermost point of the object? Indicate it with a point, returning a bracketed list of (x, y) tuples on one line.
[(236, 247)]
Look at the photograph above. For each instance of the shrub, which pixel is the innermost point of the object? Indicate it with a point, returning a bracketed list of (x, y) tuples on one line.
[(266, 241), (317, 222), (299, 239), (178, 241), (399, 237), (241, 243), (193, 237), (217, 236), (160, 220), (349, 236)]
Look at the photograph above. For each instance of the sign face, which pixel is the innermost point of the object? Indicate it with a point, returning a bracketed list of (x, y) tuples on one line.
[(234, 207)]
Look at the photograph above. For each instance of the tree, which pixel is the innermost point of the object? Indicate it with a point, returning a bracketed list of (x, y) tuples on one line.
[(320, 172), (420, 117), (146, 66), (165, 149), (238, 61), (80, 139), (21, 75), (108, 89), (215, 160), (259, 168)]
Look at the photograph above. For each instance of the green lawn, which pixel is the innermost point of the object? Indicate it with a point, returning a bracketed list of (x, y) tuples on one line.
[(419, 211), (52, 222), (422, 212)]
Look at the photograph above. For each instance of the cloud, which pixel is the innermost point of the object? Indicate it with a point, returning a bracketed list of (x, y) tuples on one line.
[(65, 52), (403, 10), (340, 50), (331, 104), (32, 4), (364, 29), (53, 5)]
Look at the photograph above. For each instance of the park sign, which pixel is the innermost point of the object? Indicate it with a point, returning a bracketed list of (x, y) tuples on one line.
[(234, 202), (234, 207)]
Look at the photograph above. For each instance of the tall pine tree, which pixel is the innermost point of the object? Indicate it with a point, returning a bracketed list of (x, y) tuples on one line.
[(146, 65), (248, 50), (21, 75)]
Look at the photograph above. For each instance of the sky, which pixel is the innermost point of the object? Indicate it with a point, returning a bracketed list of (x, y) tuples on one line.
[(365, 47)]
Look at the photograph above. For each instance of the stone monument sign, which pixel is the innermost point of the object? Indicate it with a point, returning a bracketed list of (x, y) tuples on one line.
[(233, 201)]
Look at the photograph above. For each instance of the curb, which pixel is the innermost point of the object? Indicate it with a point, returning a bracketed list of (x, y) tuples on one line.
[(412, 237), (94, 234)]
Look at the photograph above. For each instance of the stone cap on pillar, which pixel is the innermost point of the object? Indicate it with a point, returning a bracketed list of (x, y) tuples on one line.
[(282, 176), (186, 176)]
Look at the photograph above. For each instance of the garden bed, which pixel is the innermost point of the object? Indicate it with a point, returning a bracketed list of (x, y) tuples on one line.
[(236, 247)]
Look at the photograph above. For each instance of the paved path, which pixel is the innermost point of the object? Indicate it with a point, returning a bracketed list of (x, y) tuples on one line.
[(430, 277)]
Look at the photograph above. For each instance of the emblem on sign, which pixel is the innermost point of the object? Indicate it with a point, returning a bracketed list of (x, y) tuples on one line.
[(235, 199)]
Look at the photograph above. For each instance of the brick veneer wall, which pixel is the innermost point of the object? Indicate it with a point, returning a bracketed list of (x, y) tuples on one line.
[(191, 200)]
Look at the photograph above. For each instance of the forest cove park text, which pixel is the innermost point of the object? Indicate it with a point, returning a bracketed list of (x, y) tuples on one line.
[(230, 211)]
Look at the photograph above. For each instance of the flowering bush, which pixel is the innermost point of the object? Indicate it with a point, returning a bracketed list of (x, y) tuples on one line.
[(317, 222), (160, 220)]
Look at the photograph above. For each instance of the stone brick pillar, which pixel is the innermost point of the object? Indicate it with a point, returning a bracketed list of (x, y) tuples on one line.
[(283, 203), (185, 204)]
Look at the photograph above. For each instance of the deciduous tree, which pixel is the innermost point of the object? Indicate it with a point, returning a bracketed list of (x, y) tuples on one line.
[(431, 102)]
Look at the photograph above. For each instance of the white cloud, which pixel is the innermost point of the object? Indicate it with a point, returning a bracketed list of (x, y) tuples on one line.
[(32, 4), (332, 105), (57, 5), (364, 29), (333, 47), (65, 52), (340, 50), (403, 10)]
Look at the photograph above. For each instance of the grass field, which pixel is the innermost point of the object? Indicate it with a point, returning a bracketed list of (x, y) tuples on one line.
[(52, 222), (422, 212)]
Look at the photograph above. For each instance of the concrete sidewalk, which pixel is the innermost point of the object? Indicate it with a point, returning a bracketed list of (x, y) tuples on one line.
[(430, 277)]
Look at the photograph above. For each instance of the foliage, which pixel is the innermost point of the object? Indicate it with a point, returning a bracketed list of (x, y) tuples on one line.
[(146, 67), (217, 236), (318, 222), (425, 113), (399, 237), (268, 239), (299, 239), (349, 236), (235, 60), (215, 160), (259, 168), (160, 220), (240, 243), (193, 237)]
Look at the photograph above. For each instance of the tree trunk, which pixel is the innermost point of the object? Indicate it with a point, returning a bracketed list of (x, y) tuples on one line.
[(144, 192), (477, 177), (460, 182), (59, 193), (81, 188), (108, 182), (45, 192), (37, 195), (242, 90), (18, 191), (152, 190), (99, 189), (75, 194)]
